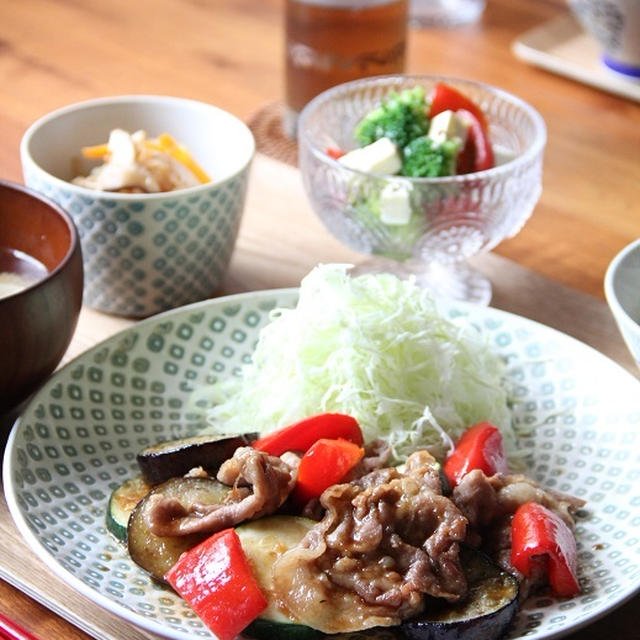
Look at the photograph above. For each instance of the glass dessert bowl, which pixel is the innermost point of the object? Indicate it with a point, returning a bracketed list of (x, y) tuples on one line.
[(449, 219)]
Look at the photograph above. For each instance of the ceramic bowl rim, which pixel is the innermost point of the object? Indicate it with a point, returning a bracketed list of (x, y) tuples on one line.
[(536, 148), (74, 241), (609, 284), (152, 99)]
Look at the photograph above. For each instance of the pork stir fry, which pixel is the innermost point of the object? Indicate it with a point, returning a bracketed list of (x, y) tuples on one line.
[(386, 540), (489, 504), (375, 549)]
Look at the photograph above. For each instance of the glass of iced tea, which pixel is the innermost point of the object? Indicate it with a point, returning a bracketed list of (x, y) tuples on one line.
[(329, 42)]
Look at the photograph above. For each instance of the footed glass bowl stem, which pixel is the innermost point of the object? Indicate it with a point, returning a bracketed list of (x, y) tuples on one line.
[(453, 281)]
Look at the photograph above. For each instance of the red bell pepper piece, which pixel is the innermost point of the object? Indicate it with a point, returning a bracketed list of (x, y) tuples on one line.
[(334, 152), (443, 97), (480, 447), (301, 435), (538, 533), (326, 462), (477, 154), (215, 579)]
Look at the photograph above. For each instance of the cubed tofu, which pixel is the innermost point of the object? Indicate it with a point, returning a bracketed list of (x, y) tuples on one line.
[(379, 157), (448, 126), (395, 203)]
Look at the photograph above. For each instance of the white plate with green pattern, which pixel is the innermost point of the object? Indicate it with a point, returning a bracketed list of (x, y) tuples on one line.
[(79, 436)]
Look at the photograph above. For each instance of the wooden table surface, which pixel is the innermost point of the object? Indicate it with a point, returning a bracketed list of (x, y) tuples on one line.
[(230, 53)]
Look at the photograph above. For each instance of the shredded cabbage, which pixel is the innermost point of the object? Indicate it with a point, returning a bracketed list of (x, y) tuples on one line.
[(375, 347)]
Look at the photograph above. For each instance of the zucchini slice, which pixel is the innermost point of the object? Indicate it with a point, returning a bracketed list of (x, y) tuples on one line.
[(122, 502), (157, 554), (263, 541), (166, 460), (282, 629), (486, 613)]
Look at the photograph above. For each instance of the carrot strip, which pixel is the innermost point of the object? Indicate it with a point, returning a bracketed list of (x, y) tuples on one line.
[(96, 151), (180, 153)]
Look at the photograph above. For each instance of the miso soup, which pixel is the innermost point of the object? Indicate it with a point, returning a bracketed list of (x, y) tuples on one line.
[(18, 271)]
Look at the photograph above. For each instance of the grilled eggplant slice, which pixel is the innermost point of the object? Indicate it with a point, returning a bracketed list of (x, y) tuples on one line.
[(175, 458), (157, 554), (486, 613)]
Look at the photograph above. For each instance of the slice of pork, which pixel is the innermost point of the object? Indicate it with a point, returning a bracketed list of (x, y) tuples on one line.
[(259, 484), (387, 539), (484, 500)]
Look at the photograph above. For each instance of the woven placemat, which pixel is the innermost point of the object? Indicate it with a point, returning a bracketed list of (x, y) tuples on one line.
[(266, 126)]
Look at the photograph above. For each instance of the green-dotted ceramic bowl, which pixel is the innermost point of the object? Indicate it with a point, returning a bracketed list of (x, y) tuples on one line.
[(622, 290), (144, 253), (79, 436)]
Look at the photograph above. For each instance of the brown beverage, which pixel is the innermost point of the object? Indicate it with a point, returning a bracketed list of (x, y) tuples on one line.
[(329, 42)]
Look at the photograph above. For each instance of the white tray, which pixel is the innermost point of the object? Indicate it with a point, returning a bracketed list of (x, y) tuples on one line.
[(562, 46)]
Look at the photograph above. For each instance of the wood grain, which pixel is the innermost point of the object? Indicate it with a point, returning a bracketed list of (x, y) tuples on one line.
[(231, 54), (36, 616)]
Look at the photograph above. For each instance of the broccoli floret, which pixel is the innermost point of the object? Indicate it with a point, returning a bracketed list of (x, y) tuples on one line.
[(421, 159), (401, 117)]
